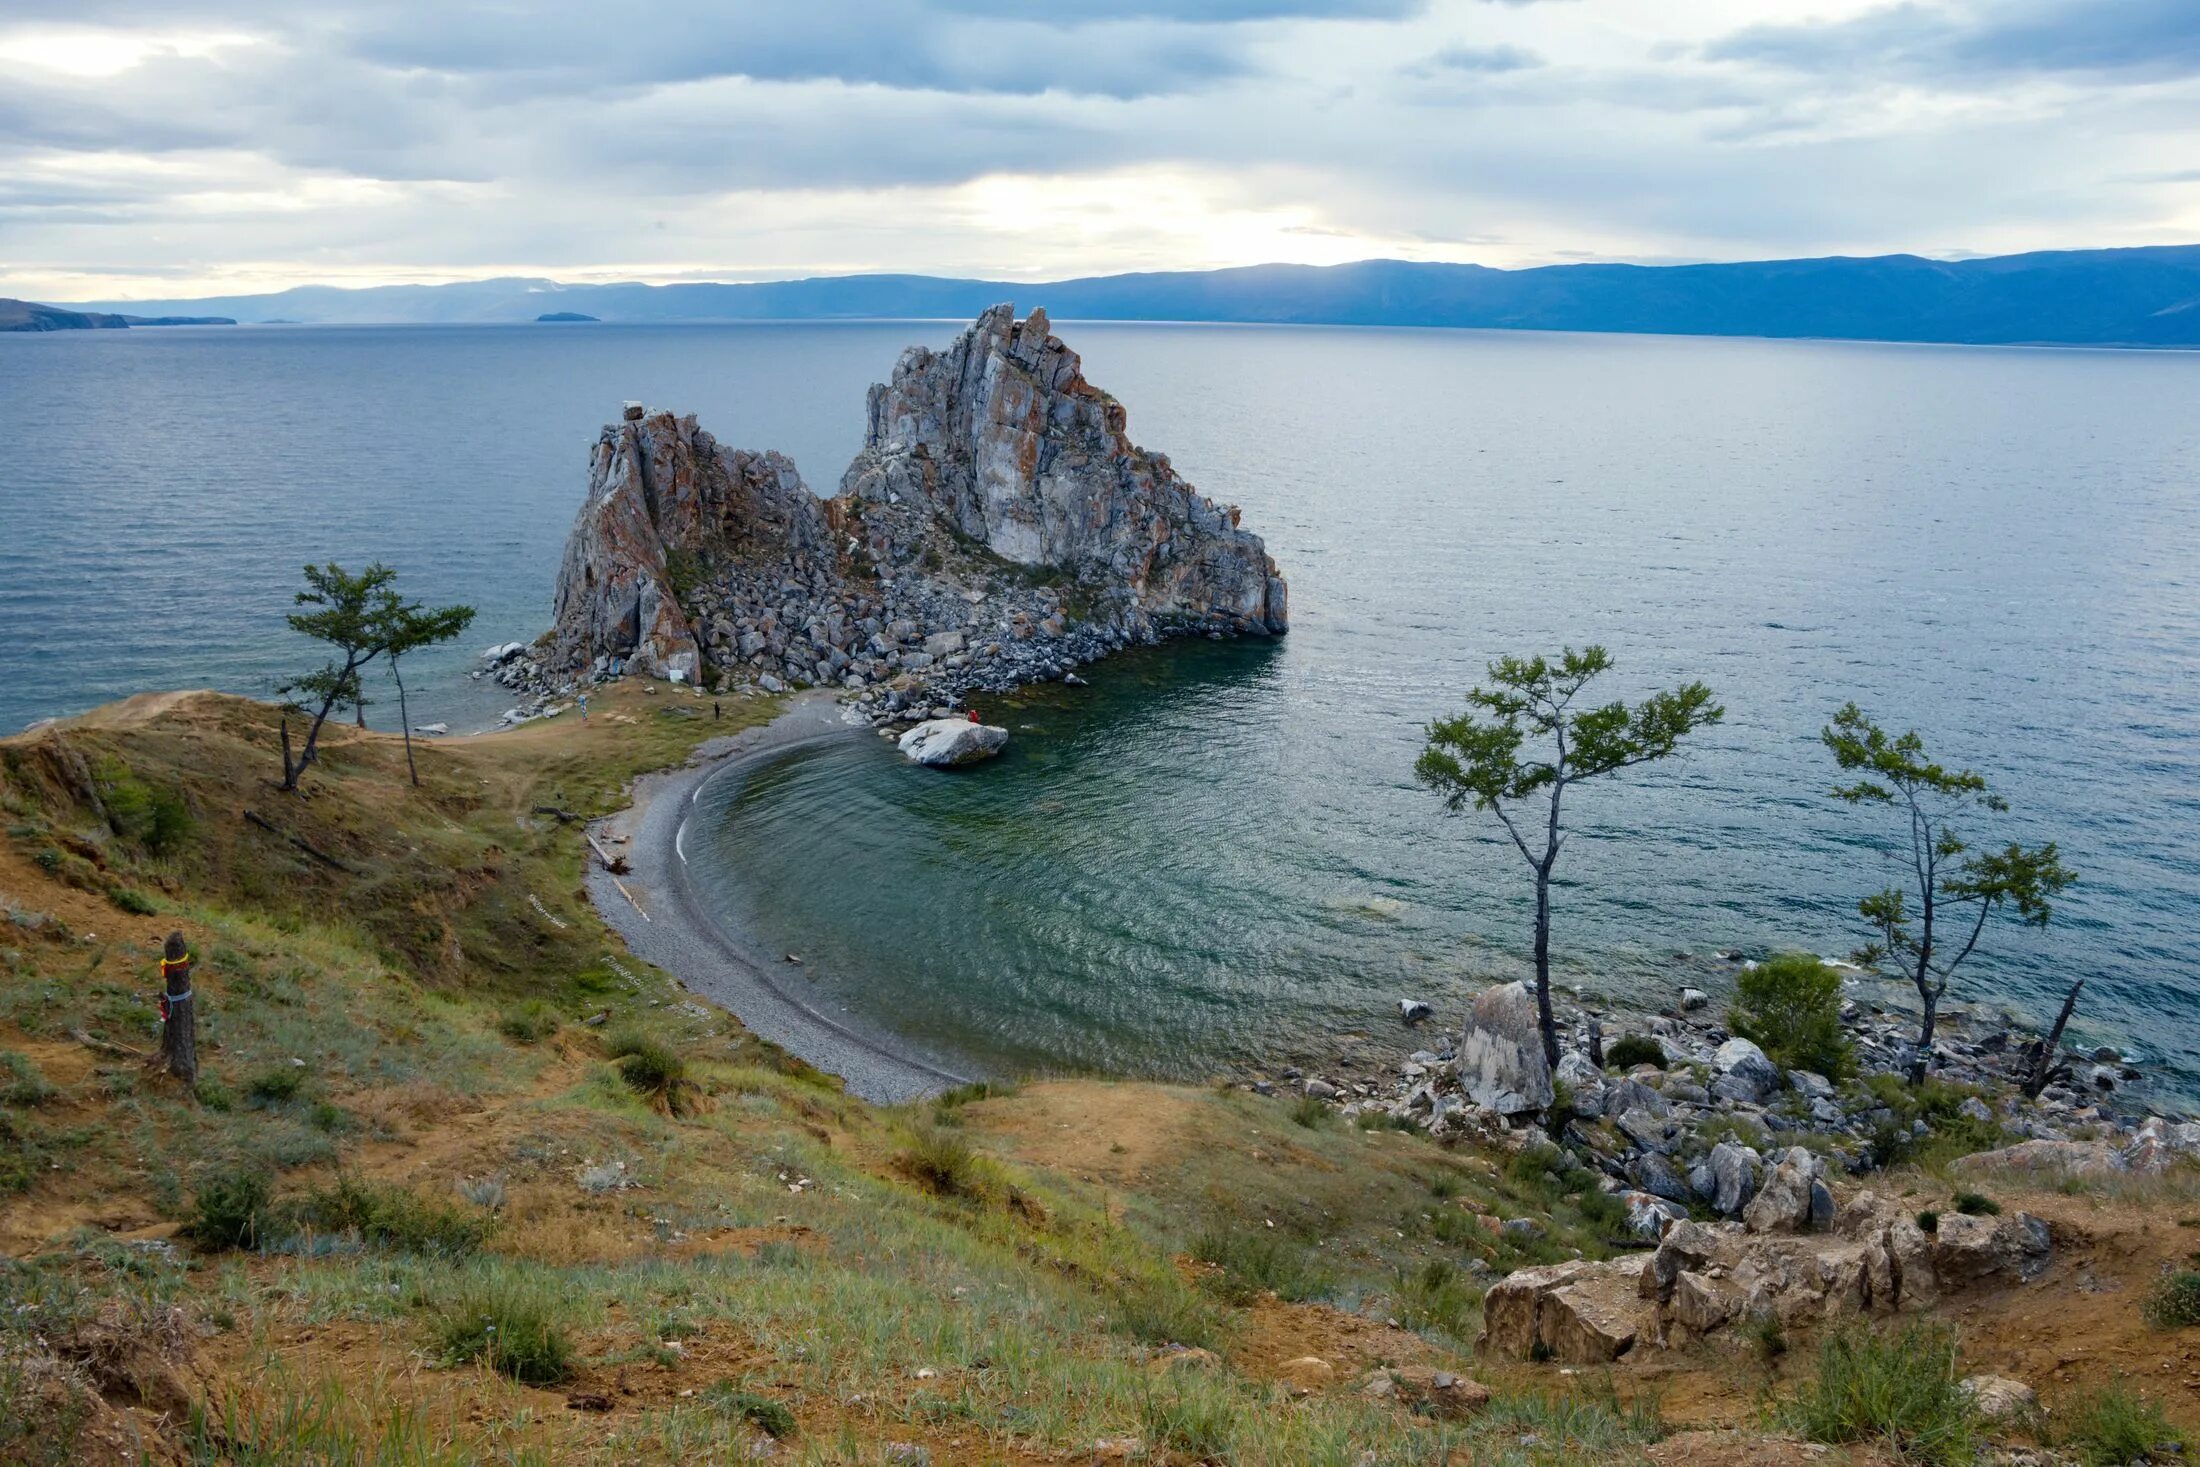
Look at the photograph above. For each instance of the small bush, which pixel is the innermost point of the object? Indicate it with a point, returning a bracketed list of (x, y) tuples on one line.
[(276, 1085), (2115, 1425), (1977, 1204), (1197, 1418), (942, 1163), (510, 1323), (20, 1081), (531, 1023), (767, 1415), (1437, 1296), (1900, 1390), (230, 1210), (976, 1090), (2174, 1302), (653, 1071), (1254, 1260), (133, 901), (396, 1218), (1766, 1336), (1789, 1005), (1635, 1049), (1310, 1112), (1928, 1221)]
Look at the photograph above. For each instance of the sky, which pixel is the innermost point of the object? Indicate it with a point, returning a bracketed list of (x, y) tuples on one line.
[(163, 148)]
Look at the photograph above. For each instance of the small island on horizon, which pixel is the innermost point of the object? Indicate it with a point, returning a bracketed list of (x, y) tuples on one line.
[(564, 318)]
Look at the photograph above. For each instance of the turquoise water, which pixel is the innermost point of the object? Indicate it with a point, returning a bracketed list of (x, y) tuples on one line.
[(1217, 850)]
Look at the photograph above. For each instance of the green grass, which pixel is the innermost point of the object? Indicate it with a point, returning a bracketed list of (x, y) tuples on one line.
[(2114, 1425), (1899, 1390), (230, 1210), (770, 1416), (529, 1023), (510, 1319), (944, 1164), (1977, 1204), (1440, 1298), (1311, 1112), (395, 1218), (1254, 1260)]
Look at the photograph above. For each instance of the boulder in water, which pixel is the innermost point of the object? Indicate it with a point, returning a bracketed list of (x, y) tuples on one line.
[(949, 743)]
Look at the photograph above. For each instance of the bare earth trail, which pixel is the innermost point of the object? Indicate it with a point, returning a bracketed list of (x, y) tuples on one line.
[(681, 935)]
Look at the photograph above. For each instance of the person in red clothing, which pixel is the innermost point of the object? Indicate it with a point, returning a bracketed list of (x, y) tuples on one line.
[(974, 715)]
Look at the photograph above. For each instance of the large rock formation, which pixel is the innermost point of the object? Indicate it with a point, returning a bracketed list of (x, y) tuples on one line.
[(1003, 438), (997, 527)]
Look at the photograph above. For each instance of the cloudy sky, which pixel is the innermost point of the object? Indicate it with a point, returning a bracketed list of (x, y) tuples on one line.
[(172, 147)]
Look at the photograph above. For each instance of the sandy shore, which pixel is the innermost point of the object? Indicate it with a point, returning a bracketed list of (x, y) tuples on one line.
[(684, 937)]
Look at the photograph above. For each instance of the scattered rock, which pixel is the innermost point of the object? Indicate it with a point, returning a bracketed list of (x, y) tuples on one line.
[(950, 743), (1576, 1313), (1784, 1203), (1414, 1012), (1435, 1393), (1999, 1399), (1501, 1064), (1306, 1375)]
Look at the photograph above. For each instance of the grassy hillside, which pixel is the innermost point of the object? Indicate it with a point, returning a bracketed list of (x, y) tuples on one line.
[(463, 1181)]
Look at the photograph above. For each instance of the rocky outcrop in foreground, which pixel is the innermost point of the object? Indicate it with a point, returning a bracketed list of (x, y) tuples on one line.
[(998, 527)]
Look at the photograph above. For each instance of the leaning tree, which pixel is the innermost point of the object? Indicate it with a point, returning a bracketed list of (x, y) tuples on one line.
[(1955, 889), (347, 615), (406, 627), (1484, 760)]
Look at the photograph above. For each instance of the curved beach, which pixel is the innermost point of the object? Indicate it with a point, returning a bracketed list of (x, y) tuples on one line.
[(682, 936)]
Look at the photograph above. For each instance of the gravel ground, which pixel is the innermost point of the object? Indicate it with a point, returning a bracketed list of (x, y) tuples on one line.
[(685, 938)]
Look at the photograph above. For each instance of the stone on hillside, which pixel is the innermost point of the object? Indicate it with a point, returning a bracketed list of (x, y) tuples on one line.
[(1783, 1203), (1742, 1062), (1734, 1170), (1434, 1393), (1413, 1012), (1501, 1063), (1577, 1313), (1650, 1214), (1700, 1303), (2000, 1400), (1968, 1249), (1693, 999), (1306, 1375), (948, 743), (2046, 1158), (2160, 1144)]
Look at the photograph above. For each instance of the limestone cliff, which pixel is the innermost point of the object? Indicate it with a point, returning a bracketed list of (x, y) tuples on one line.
[(998, 526)]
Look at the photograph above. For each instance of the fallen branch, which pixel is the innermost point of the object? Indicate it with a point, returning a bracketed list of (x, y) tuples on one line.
[(565, 817), (107, 1046), (637, 906), (299, 841)]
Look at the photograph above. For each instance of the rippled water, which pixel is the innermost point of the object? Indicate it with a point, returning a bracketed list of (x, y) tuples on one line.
[(1218, 849)]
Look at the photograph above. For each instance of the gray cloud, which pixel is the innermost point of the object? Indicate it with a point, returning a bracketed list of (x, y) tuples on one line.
[(1479, 59), (2141, 38)]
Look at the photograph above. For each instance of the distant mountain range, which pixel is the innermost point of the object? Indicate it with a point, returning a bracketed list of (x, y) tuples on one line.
[(29, 316), (2132, 297)]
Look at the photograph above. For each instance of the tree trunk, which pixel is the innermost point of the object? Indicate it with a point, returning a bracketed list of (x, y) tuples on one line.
[(1544, 1020), (179, 1029), (2043, 1062), (404, 722)]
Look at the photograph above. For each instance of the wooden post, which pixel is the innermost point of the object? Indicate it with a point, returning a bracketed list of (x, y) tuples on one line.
[(1596, 1044), (179, 1028)]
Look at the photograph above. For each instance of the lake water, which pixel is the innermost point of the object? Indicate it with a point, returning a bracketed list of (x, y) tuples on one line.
[(1218, 848)]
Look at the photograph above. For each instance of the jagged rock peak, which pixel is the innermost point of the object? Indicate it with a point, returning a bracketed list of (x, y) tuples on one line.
[(665, 498), (1002, 436)]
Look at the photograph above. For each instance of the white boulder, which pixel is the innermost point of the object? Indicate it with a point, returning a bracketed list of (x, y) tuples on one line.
[(948, 743)]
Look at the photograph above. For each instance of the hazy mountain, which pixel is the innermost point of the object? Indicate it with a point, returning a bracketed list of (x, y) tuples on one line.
[(2134, 297)]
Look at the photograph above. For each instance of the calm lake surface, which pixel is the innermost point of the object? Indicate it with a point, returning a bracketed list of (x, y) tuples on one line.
[(1218, 848)]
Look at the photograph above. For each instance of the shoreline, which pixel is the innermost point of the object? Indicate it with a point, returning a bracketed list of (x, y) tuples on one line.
[(681, 936)]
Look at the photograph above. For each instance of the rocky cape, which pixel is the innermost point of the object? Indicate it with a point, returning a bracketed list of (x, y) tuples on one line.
[(998, 527)]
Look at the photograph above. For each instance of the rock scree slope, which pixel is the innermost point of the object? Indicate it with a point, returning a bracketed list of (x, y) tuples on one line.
[(997, 527)]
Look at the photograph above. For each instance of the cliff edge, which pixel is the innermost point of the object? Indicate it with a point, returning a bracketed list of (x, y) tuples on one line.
[(997, 527)]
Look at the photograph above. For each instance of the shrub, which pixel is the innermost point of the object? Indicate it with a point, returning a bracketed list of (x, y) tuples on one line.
[(133, 901), (1310, 1112), (2115, 1425), (1977, 1204), (230, 1210), (1635, 1049), (531, 1023), (1928, 1221), (1897, 1389), (1197, 1419), (942, 1163), (20, 1081), (769, 1416), (509, 1322), (653, 1071), (276, 1085), (1254, 1260), (396, 1218), (2174, 1302), (1437, 1296), (1789, 1005)]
